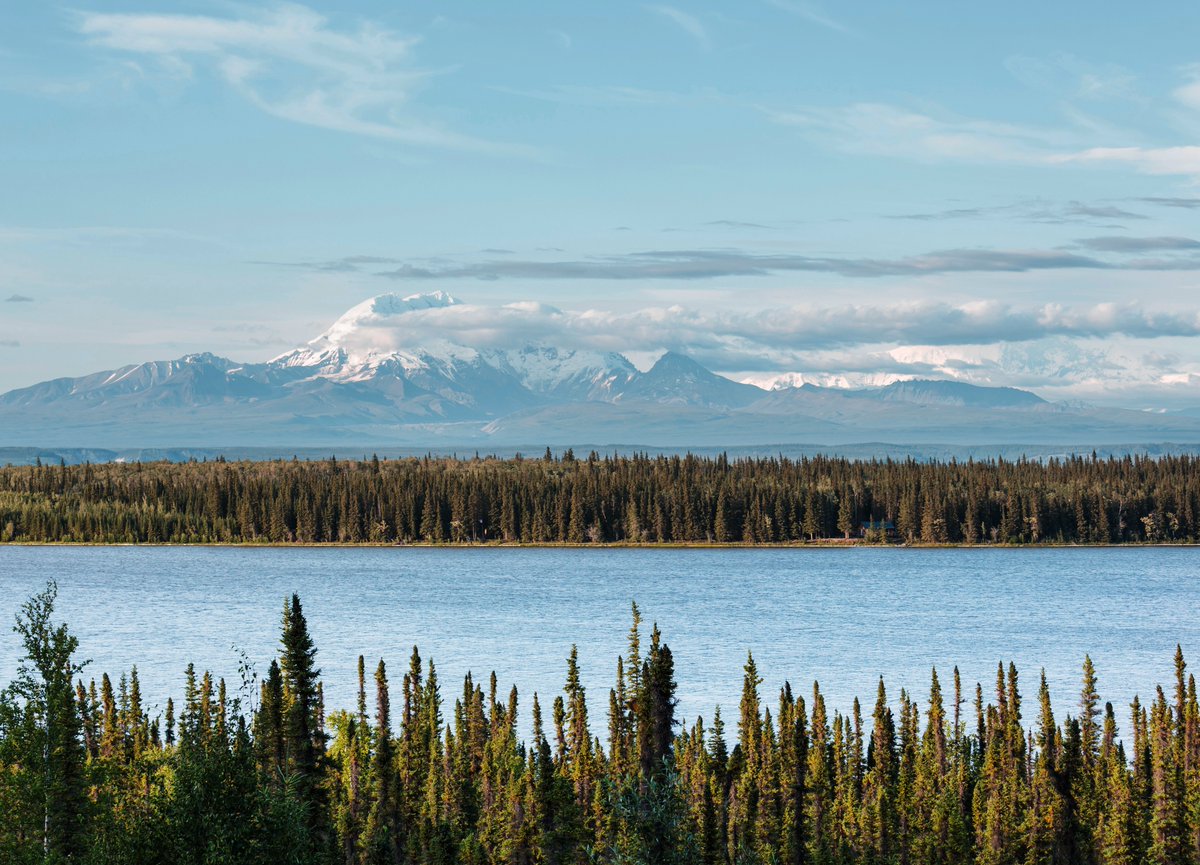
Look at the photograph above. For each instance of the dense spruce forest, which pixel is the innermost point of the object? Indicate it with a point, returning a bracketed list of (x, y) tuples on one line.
[(268, 775), (606, 499)]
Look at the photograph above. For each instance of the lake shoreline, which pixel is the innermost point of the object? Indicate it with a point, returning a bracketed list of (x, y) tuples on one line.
[(828, 544)]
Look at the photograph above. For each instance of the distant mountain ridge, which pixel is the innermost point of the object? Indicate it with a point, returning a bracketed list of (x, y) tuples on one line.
[(376, 377), (955, 393)]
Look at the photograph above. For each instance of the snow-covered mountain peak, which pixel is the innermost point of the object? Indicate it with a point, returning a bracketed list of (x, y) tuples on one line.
[(369, 331), (774, 381), (428, 341), (405, 368), (546, 369)]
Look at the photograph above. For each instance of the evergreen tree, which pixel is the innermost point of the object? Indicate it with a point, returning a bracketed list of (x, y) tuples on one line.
[(656, 708), (269, 726), (85, 775), (381, 841), (1167, 844), (304, 736), (38, 711)]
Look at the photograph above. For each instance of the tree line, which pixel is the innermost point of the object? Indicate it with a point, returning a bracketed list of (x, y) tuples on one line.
[(407, 776), (606, 499)]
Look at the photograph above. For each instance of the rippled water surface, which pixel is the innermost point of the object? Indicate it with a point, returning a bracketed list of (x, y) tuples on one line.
[(843, 616)]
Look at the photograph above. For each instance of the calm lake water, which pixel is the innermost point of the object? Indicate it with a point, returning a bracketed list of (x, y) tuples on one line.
[(842, 616)]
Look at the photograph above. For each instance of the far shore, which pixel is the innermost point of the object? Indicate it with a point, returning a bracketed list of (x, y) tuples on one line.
[(822, 544)]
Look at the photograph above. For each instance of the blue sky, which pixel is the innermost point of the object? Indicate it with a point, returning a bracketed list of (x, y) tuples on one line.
[(1005, 194)]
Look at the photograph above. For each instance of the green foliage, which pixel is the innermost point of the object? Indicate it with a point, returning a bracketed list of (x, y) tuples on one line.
[(648, 822), (42, 772), (632, 499), (87, 777)]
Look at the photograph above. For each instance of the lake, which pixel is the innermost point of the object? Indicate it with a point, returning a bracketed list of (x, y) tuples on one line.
[(843, 616)]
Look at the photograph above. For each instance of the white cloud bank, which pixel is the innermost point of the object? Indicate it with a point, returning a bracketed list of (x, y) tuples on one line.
[(774, 332), (1123, 355), (1062, 351)]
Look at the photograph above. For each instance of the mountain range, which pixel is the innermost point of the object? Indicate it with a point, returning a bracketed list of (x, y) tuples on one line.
[(367, 381)]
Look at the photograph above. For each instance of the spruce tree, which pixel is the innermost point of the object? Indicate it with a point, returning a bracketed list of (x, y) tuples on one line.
[(269, 738), (1167, 845), (304, 738), (656, 709), (381, 842), (39, 710)]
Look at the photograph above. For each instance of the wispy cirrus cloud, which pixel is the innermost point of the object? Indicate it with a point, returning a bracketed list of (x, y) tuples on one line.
[(810, 12), (1043, 212), (1168, 201), (737, 223), (291, 63), (700, 264), (610, 94), (347, 264), (1077, 210), (707, 264), (1139, 244), (880, 129), (1066, 75), (686, 22), (1182, 160)]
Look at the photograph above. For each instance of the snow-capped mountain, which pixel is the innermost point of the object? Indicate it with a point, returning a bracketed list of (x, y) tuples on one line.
[(193, 379), (843, 381), (387, 373), (380, 338), (676, 379)]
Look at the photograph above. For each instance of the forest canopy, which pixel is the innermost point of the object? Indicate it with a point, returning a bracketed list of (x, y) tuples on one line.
[(559, 498), (411, 775)]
